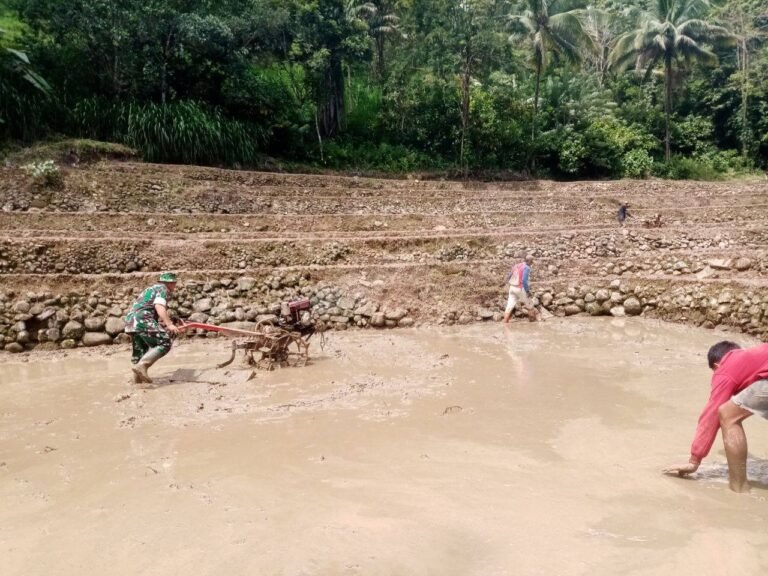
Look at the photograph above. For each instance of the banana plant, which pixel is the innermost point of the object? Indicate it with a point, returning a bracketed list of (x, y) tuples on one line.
[(16, 63)]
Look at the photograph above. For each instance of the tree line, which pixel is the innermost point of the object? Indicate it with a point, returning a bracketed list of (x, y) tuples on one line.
[(561, 88)]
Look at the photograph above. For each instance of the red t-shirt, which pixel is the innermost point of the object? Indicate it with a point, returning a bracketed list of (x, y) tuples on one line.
[(737, 370)]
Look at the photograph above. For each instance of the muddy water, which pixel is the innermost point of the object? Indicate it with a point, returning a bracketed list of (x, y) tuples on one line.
[(475, 451)]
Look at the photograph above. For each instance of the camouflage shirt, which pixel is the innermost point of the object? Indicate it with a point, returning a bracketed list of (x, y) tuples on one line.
[(143, 316)]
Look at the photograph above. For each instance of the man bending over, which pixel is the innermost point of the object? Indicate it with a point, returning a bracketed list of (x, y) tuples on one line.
[(739, 389)]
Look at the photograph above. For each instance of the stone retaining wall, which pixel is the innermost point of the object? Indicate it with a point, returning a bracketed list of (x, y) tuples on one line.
[(51, 321)]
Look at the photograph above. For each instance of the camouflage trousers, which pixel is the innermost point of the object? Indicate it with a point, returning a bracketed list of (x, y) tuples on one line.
[(143, 342)]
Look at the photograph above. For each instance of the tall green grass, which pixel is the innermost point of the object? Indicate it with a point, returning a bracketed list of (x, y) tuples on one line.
[(24, 112), (179, 132), (364, 104)]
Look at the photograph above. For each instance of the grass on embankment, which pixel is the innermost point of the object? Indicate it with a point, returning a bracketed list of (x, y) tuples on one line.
[(71, 151)]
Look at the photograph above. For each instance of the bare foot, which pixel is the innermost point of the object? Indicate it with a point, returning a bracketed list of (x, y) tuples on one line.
[(140, 374), (740, 488)]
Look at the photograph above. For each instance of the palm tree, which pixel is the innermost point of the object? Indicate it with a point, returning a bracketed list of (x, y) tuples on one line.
[(670, 33), (383, 23), (555, 29), (748, 22), (602, 27)]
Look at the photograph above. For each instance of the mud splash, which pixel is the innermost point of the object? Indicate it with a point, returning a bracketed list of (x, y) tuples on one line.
[(473, 451)]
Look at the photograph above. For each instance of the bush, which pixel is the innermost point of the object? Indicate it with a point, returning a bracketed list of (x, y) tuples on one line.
[(603, 147), (363, 109), (636, 163), (424, 114), (500, 127), (572, 154), (385, 157), (693, 135), (72, 152), (45, 174), (712, 165), (274, 98), (684, 168), (726, 162), (609, 141)]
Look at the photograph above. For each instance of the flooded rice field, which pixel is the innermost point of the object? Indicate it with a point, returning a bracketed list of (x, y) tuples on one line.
[(481, 450)]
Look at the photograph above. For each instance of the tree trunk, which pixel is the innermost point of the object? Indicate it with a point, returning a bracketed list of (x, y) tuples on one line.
[(115, 57), (466, 79), (536, 101), (667, 105), (744, 98), (332, 110), (115, 68), (380, 65), (164, 68), (319, 138)]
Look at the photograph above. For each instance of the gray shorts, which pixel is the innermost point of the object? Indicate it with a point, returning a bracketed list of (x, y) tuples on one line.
[(754, 398)]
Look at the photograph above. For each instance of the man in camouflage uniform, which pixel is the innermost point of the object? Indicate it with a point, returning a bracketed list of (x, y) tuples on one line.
[(150, 326)]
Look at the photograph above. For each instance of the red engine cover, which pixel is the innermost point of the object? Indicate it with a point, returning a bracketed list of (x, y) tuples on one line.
[(303, 304)]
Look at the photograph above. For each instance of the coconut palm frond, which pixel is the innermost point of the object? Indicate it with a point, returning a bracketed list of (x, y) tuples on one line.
[(702, 30), (568, 27), (561, 6), (691, 51), (671, 31)]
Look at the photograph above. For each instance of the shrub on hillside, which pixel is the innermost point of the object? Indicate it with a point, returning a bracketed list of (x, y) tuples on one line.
[(72, 152), (711, 165), (609, 140), (386, 157), (636, 163), (685, 168), (573, 153), (45, 174)]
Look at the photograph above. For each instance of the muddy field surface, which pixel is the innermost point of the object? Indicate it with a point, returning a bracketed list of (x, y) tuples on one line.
[(457, 451)]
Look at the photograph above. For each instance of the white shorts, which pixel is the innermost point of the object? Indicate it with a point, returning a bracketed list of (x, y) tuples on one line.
[(515, 295), (754, 398)]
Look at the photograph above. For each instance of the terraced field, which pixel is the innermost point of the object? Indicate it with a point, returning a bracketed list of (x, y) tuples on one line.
[(428, 251)]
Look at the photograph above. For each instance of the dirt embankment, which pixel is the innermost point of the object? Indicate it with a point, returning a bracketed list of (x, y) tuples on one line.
[(377, 253)]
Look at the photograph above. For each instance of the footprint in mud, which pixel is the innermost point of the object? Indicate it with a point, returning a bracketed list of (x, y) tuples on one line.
[(129, 422)]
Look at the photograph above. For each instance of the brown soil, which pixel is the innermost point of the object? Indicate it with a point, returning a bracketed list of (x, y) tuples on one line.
[(439, 243)]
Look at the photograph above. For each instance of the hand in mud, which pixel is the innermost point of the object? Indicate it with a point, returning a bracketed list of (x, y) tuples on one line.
[(173, 329), (682, 471)]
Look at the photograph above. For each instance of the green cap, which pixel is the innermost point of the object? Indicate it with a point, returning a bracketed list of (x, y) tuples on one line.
[(167, 277)]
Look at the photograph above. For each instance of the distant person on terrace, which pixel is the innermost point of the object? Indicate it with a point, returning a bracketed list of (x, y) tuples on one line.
[(151, 327), (519, 290), (739, 389), (623, 214)]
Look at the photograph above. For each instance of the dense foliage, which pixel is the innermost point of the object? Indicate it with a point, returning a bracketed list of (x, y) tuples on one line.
[(676, 88)]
